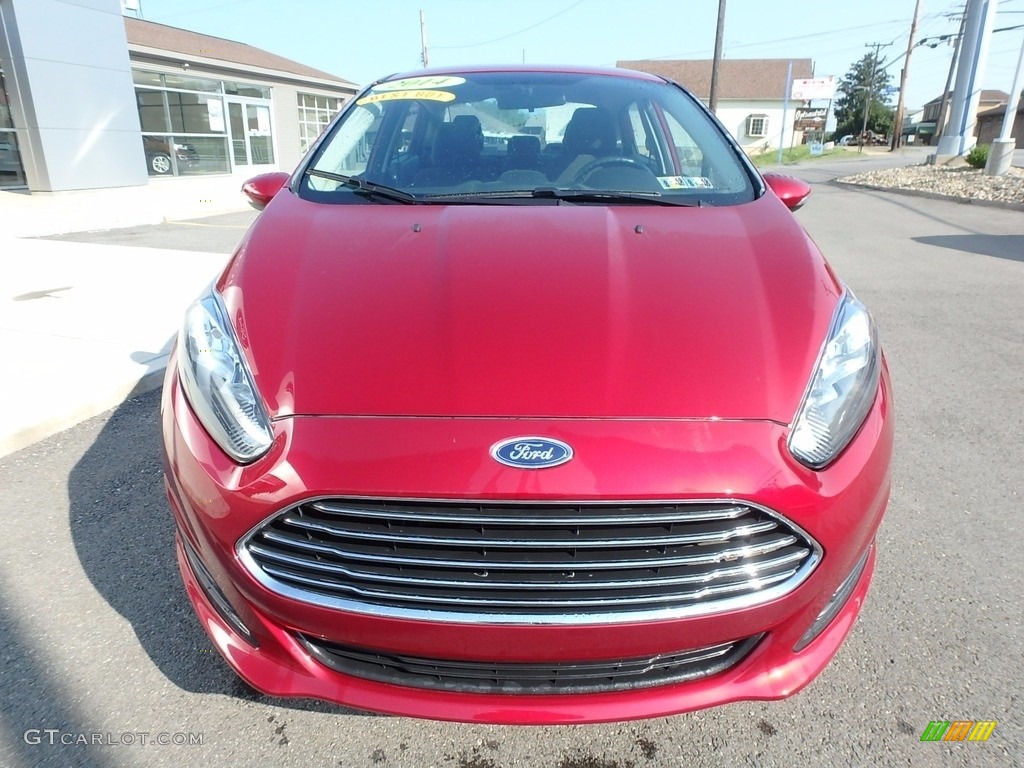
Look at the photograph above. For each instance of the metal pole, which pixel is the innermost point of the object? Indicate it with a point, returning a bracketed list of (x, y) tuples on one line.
[(1000, 153), (785, 103), (897, 132), (1011, 107), (940, 122), (969, 72), (423, 40), (824, 125), (717, 60)]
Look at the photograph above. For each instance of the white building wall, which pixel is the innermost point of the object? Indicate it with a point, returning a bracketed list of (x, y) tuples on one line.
[(734, 113), (72, 99), (286, 121)]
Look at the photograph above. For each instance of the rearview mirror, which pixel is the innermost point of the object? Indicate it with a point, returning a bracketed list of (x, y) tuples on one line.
[(261, 189), (788, 189)]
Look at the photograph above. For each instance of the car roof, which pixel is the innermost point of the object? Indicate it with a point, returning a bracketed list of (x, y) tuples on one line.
[(533, 68)]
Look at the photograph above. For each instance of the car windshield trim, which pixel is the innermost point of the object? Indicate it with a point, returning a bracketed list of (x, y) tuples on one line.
[(368, 188)]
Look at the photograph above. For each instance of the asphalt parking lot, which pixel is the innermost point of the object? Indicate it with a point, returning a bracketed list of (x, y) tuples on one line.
[(100, 644)]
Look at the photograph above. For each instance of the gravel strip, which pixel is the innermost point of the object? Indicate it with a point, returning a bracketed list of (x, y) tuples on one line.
[(958, 182)]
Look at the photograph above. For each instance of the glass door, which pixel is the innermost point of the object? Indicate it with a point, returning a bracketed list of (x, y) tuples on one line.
[(252, 136), (239, 135)]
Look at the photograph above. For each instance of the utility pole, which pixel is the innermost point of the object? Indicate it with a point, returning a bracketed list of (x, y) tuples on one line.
[(717, 60), (423, 40), (940, 122), (870, 88), (897, 130)]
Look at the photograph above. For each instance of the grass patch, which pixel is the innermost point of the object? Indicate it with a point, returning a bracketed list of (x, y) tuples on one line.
[(797, 154)]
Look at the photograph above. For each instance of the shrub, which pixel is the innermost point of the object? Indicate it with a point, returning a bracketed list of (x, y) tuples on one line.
[(978, 156)]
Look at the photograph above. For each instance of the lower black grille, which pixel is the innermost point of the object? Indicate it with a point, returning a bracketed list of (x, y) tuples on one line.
[(530, 678), (514, 562)]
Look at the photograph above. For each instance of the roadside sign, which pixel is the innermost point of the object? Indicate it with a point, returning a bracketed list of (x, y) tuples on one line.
[(810, 118), (814, 88)]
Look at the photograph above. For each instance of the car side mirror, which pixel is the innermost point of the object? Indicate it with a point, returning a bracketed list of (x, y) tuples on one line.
[(788, 189), (261, 189)]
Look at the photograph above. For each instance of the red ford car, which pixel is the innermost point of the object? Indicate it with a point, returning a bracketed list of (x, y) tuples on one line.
[(574, 425)]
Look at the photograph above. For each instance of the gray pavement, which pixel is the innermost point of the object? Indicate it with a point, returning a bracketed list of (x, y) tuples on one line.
[(98, 638), (88, 319)]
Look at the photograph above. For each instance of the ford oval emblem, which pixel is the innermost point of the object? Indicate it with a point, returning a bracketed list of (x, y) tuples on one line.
[(531, 452)]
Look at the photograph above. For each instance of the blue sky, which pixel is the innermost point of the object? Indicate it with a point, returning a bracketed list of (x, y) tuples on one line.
[(361, 41)]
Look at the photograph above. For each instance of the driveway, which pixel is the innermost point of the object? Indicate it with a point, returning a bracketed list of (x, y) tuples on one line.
[(100, 646)]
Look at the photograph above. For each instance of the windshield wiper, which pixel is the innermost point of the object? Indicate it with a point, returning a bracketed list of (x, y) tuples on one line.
[(368, 188), (490, 197), (611, 196)]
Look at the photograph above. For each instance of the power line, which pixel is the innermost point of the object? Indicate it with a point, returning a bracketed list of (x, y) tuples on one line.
[(510, 34), (787, 39), (204, 9)]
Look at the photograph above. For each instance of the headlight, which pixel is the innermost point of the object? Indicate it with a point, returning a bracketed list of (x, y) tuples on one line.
[(842, 388), (218, 383)]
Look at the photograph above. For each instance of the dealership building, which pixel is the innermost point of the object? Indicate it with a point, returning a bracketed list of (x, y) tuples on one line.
[(90, 98)]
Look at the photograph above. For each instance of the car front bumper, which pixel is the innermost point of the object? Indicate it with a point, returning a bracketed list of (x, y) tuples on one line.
[(217, 503)]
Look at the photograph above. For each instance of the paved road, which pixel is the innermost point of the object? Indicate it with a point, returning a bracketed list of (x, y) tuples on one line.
[(216, 234), (97, 637)]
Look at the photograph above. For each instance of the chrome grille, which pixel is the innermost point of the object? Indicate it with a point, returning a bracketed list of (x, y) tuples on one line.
[(536, 678), (544, 563)]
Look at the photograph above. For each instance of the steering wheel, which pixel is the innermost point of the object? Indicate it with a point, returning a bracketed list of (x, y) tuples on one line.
[(603, 162)]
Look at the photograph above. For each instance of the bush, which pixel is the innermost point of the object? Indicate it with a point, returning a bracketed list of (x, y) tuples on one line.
[(978, 156)]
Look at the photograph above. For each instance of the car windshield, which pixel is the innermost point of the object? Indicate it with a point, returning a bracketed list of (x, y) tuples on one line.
[(526, 136)]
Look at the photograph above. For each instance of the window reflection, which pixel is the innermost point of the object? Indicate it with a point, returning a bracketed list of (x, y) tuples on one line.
[(185, 155), (12, 173)]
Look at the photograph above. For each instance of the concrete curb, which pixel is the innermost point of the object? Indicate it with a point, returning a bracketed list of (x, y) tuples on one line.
[(929, 195), (53, 425)]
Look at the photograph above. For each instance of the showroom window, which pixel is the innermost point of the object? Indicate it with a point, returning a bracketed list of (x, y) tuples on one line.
[(315, 112), (193, 125), (12, 174)]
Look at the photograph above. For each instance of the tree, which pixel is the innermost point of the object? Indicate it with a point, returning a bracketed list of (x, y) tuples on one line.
[(853, 92)]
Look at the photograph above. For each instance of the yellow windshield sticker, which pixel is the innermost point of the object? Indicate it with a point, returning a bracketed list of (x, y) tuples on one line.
[(420, 95), (416, 83)]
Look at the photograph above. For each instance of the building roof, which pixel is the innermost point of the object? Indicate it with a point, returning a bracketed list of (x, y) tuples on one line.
[(997, 112), (737, 78), (149, 34), (991, 96)]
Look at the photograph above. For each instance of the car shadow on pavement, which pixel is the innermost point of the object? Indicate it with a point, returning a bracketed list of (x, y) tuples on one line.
[(1009, 247), (123, 534)]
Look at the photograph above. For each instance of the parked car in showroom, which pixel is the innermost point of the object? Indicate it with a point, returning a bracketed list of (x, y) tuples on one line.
[(579, 435), (158, 155)]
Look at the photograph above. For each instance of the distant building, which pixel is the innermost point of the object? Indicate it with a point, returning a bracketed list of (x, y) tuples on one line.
[(751, 95), (90, 98), (927, 128), (990, 124)]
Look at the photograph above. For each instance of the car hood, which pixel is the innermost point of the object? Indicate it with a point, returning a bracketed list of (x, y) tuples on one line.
[(571, 311)]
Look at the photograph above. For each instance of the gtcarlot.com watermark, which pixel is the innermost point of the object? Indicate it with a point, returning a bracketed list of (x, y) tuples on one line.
[(54, 736)]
